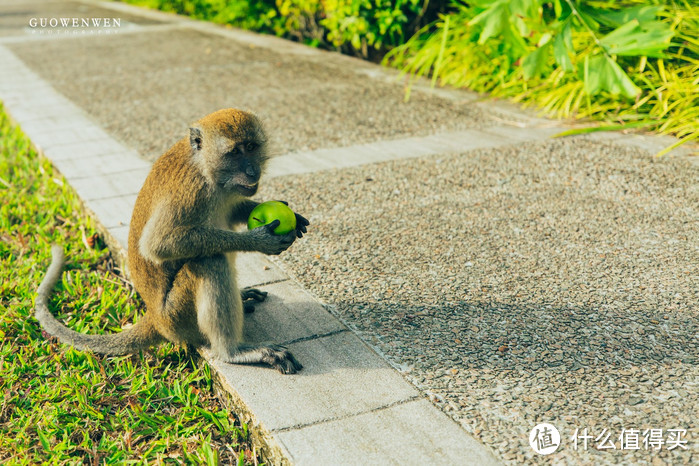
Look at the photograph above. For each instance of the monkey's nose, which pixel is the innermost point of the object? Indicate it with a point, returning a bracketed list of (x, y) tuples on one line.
[(249, 168)]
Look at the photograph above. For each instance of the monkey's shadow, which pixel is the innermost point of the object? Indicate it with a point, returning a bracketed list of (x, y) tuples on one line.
[(312, 334), (503, 336)]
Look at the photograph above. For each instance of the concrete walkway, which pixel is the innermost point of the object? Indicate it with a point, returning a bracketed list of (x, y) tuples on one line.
[(464, 277)]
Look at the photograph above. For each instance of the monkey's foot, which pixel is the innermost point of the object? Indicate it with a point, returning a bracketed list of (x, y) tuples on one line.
[(249, 295), (275, 356)]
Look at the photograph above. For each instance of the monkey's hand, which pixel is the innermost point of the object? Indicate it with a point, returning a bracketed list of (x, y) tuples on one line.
[(265, 241), (301, 222)]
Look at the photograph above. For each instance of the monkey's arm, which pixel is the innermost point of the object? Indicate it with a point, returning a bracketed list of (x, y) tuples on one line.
[(159, 243), (242, 212)]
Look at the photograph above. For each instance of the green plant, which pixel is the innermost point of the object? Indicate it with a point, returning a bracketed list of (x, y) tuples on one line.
[(260, 15), (300, 20), (360, 27), (634, 64), (366, 25)]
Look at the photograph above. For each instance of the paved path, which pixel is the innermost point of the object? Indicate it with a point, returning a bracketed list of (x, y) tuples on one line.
[(460, 264)]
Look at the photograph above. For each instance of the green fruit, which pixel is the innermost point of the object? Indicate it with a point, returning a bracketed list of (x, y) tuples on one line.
[(269, 211)]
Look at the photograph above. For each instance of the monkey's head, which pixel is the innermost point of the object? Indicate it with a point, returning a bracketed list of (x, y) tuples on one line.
[(230, 148)]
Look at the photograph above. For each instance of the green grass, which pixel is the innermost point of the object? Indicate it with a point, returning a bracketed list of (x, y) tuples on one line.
[(64, 406)]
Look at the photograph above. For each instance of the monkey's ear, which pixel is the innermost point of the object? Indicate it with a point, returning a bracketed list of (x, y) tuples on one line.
[(195, 138)]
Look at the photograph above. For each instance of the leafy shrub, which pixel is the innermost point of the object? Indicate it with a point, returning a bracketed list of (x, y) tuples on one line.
[(259, 15), (367, 28), (363, 25), (301, 21), (639, 61)]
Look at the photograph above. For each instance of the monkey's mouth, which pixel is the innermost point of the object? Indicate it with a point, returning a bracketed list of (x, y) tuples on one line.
[(247, 189)]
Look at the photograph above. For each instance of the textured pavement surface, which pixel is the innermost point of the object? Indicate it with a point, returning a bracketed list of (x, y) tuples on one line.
[(307, 104), (553, 281)]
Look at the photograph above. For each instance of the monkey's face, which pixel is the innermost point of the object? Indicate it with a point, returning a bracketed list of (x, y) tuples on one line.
[(231, 150), (240, 168)]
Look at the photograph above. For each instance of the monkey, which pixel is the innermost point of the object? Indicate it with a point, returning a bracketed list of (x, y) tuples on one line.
[(182, 246)]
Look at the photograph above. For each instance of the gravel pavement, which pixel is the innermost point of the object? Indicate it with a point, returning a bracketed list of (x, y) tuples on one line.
[(310, 103), (552, 282)]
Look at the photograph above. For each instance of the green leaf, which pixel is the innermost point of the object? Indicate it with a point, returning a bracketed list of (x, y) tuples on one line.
[(568, 36), (438, 64), (545, 38), (525, 8), (535, 63), (560, 53), (684, 140), (562, 46), (210, 455), (493, 20), (633, 39), (595, 129), (641, 13), (44, 441), (562, 9), (519, 25), (602, 73)]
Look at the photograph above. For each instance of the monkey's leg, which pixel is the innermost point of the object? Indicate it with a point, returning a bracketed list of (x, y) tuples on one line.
[(219, 309), (276, 356), (249, 295), (178, 320)]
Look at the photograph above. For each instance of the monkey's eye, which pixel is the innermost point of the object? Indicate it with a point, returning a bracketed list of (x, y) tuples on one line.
[(250, 146)]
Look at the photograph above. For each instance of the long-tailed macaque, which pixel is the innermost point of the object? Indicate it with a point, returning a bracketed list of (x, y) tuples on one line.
[(182, 247)]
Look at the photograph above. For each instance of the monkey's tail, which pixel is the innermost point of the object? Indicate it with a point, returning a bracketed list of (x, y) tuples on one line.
[(140, 336)]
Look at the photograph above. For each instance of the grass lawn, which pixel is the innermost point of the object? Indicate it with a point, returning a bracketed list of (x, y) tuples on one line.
[(64, 406)]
